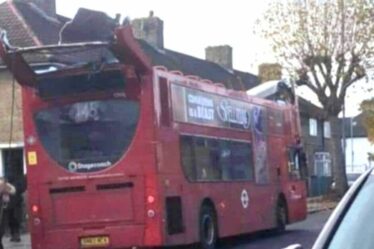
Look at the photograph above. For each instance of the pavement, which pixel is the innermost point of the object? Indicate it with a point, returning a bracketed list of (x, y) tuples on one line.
[(320, 203), (24, 244)]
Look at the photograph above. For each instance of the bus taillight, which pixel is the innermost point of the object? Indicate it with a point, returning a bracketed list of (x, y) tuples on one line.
[(35, 209), (150, 199)]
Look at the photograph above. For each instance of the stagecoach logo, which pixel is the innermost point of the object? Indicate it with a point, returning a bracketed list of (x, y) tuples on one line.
[(74, 166), (244, 198), (233, 114)]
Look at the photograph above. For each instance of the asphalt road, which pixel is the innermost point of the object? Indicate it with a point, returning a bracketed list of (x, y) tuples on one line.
[(303, 232)]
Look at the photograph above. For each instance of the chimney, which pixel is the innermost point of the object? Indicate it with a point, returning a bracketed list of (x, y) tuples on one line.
[(150, 29), (48, 6), (269, 71), (221, 55)]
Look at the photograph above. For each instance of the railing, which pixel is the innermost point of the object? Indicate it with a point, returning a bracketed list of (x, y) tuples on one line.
[(357, 169)]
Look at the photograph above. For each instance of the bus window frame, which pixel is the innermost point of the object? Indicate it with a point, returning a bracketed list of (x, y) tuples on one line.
[(293, 172), (252, 180), (166, 114)]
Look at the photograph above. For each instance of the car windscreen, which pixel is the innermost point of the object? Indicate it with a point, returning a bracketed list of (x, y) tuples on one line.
[(356, 229), (88, 136)]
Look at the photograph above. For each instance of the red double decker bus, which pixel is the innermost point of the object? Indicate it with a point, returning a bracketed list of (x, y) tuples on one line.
[(123, 154)]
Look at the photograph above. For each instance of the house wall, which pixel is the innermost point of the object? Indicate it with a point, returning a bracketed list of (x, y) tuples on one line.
[(8, 140), (317, 184), (356, 155), (313, 144), (5, 110)]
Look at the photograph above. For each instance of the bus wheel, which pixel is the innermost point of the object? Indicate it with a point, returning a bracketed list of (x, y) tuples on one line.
[(281, 216), (208, 228)]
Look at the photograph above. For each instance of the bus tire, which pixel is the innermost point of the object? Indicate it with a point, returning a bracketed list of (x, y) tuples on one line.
[(208, 230), (281, 216)]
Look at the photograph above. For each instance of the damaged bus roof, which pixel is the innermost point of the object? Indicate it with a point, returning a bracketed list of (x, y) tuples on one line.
[(90, 55)]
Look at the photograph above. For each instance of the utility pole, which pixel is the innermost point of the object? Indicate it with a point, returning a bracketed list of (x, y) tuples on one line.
[(342, 10), (352, 152), (344, 144)]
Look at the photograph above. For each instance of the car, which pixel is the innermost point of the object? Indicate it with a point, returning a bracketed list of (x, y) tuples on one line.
[(351, 178), (351, 225)]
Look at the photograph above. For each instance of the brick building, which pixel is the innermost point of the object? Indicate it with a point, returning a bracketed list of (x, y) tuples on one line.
[(317, 141), (26, 25)]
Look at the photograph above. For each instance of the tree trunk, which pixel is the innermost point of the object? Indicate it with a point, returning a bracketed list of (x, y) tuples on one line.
[(337, 156)]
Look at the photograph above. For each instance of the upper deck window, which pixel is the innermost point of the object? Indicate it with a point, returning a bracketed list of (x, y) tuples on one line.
[(80, 83), (52, 58)]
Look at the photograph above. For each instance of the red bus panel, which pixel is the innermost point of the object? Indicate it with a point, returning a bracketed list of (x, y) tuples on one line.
[(129, 155)]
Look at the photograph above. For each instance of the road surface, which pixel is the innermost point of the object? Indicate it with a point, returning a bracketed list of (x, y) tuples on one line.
[(304, 232)]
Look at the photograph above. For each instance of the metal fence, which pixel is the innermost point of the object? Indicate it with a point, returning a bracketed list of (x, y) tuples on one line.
[(357, 169)]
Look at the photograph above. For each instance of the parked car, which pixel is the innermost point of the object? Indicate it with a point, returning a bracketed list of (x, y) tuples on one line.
[(351, 225), (351, 178)]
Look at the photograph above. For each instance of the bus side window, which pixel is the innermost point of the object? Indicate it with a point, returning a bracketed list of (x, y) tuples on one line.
[(187, 157), (241, 161), (207, 159), (293, 163), (164, 99), (206, 156), (225, 160)]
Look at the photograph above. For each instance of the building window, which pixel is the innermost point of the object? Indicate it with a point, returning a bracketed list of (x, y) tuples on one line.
[(208, 159), (12, 163), (322, 164), (327, 129), (313, 127)]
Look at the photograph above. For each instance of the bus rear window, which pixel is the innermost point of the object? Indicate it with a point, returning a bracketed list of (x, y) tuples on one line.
[(82, 83), (208, 159), (88, 136)]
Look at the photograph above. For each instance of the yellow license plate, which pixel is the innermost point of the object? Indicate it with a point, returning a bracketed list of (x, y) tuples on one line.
[(100, 241)]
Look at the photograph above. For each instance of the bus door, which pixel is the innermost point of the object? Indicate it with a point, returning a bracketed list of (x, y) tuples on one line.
[(262, 192), (277, 159), (295, 186)]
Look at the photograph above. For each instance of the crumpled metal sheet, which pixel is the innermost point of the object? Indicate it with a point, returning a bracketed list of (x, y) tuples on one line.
[(88, 25)]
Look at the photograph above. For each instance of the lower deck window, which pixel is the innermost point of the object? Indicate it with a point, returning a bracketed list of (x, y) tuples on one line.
[(209, 159), (297, 165)]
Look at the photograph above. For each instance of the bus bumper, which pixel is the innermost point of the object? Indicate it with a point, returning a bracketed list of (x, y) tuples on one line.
[(110, 237)]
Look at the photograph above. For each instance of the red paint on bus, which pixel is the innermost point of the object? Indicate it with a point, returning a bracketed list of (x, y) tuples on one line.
[(158, 150)]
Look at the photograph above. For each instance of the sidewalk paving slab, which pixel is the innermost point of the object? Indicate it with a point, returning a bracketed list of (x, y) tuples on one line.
[(317, 204), (24, 244)]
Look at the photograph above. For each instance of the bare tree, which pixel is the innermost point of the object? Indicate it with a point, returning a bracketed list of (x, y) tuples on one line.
[(327, 46)]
